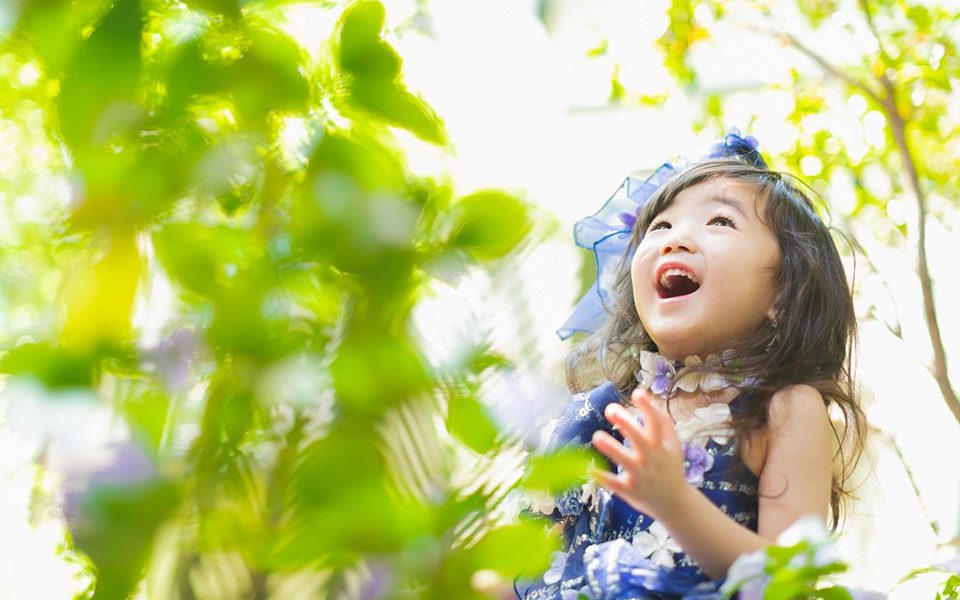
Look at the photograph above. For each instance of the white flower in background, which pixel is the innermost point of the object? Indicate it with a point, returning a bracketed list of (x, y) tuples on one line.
[(748, 573), (807, 528), (656, 544), (749, 570), (810, 528), (708, 422)]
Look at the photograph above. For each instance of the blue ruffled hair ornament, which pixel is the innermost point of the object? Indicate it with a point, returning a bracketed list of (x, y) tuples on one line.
[(607, 232)]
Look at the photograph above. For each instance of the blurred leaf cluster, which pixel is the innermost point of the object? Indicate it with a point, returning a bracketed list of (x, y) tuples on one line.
[(287, 436)]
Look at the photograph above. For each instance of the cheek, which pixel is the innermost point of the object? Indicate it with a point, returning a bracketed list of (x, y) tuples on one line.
[(637, 270)]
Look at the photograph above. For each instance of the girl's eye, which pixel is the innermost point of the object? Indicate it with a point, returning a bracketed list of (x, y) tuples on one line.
[(721, 220), (659, 225)]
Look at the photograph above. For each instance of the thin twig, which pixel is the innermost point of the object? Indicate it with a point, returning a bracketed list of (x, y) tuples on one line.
[(822, 62), (892, 443)]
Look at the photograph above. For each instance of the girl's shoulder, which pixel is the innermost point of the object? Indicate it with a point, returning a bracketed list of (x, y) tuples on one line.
[(794, 405), (796, 414)]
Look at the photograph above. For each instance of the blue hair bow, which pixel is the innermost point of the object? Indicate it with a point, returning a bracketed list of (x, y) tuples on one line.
[(607, 232)]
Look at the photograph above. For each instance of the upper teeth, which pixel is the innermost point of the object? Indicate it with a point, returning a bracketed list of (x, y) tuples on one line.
[(673, 272)]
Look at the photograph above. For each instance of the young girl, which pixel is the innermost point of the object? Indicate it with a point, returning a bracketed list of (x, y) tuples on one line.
[(724, 337)]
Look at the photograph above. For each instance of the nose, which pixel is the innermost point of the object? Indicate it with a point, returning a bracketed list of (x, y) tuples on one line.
[(677, 241)]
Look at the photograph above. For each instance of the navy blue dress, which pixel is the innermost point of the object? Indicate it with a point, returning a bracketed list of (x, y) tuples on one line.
[(613, 552)]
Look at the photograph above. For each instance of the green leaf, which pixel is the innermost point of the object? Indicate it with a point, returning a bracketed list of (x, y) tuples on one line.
[(600, 49), (373, 372), (225, 7), (834, 592), (53, 366), (469, 421), (488, 224), (557, 471), (950, 588), (102, 78), (373, 67), (519, 548), (361, 50), (116, 527), (399, 107), (204, 259)]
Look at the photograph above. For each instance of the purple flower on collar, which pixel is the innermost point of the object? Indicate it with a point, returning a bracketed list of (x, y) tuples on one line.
[(627, 218), (696, 462), (663, 377), (656, 373)]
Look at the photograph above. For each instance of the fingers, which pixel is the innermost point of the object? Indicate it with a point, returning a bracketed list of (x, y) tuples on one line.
[(628, 426), (614, 450), (652, 422), (612, 482)]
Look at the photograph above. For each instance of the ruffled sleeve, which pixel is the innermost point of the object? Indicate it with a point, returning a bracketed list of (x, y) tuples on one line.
[(584, 416)]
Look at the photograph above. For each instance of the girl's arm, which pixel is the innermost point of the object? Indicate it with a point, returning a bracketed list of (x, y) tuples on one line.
[(794, 481)]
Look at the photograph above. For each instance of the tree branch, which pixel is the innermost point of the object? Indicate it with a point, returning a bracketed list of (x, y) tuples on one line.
[(898, 127)]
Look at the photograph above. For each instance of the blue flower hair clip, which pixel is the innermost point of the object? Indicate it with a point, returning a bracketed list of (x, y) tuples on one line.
[(607, 232)]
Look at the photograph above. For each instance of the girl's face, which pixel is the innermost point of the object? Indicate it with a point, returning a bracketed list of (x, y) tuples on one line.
[(704, 273)]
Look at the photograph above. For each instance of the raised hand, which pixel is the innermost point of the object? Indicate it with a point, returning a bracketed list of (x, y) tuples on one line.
[(651, 474)]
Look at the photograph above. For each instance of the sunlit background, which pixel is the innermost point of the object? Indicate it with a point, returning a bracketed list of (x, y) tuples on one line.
[(556, 102)]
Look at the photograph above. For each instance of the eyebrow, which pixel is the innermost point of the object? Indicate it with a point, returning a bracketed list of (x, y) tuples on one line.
[(736, 204)]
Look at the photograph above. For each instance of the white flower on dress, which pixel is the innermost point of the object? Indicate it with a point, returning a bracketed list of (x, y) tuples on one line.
[(656, 544), (708, 422), (588, 491), (557, 565)]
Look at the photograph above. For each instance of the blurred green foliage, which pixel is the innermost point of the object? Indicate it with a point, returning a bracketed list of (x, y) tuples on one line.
[(265, 403)]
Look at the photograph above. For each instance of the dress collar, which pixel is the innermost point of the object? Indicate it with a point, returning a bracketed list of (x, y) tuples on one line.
[(664, 377)]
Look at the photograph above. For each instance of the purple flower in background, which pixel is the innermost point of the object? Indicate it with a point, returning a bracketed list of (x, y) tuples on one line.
[(378, 581), (125, 465), (172, 356), (696, 462)]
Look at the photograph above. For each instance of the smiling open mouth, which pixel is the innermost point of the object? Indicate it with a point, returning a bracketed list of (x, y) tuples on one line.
[(675, 282)]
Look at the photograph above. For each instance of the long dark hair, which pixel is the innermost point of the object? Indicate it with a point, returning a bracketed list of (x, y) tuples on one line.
[(813, 342)]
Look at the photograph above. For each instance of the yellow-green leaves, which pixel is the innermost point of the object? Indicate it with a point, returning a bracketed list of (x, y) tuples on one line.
[(99, 296), (558, 470), (99, 90), (470, 422), (373, 68), (489, 224), (171, 120)]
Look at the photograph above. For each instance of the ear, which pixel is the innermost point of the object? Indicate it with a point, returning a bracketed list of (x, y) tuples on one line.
[(773, 315)]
